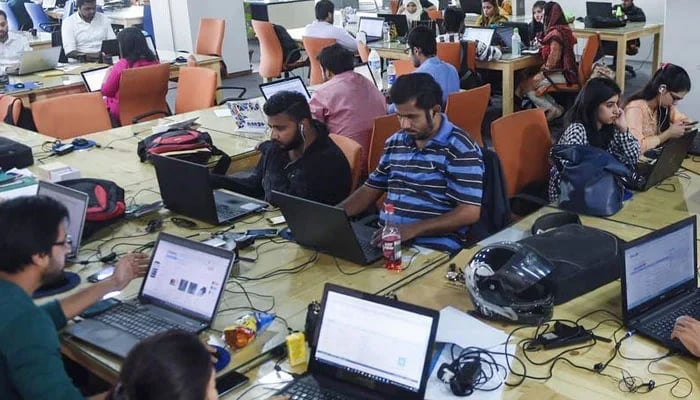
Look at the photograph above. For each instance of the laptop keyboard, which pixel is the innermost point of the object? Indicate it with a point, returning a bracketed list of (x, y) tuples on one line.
[(130, 318), (309, 390), (663, 327), (225, 212)]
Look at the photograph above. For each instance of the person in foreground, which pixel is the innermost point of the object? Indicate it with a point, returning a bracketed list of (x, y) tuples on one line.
[(596, 119), (431, 171), (687, 330), (33, 248)]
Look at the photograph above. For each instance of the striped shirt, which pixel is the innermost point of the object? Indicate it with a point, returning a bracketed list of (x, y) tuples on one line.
[(429, 182)]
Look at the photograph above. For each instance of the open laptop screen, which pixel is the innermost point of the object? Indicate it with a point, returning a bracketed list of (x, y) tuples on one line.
[(93, 79), (658, 265), (186, 277), (378, 342), (481, 34), (294, 84), (373, 27), (76, 202), (364, 70), (598, 9)]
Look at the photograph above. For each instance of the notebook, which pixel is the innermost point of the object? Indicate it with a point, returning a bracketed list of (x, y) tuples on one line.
[(36, 61), (181, 290), (366, 71), (327, 229), (293, 84), (670, 159), (372, 27), (368, 347), (660, 281), (77, 203), (198, 200), (93, 78)]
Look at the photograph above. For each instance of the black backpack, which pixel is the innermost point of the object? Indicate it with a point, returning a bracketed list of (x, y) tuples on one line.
[(290, 49), (495, 208), (14, 154), (105, 202)]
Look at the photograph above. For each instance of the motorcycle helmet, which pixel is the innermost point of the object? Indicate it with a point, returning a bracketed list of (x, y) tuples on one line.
[(510, 281)]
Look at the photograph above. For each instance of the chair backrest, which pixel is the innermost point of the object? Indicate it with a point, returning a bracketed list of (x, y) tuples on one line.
[(363, 50), (394, 6), (467, 109), (271, 54), (12, 22), (210, 37), (10, 104), (72, 115), (451, 53), (383, 128), (68, 8), (585, 66), (313, 47), (38, 16), (403, 67), (352, 151), (148, 22), (522, 142), (142, 90), (435, 15), (196, 89)]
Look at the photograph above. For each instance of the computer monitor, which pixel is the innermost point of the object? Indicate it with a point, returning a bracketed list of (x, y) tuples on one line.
[(470, 6)]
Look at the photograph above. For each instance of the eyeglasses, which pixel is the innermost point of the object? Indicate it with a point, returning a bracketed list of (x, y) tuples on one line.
[(68, 242)]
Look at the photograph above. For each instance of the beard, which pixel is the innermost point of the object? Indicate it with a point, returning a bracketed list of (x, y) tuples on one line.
[(295, 143), (53, 273)]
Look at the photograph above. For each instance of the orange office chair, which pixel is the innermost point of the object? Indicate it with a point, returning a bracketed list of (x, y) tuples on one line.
[(363, 50), (384, 127), (71, 115), (196, 89), (352, 151), (272, 62), (435, 15), (210, 39), (394, 6), (10, 105), (142, 93), (451, 53), (313, 47), (403, 67), (585, 68), (522, 142), (467, 109)]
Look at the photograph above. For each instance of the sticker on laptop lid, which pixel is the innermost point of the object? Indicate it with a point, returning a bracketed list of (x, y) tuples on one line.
[(250, 206)]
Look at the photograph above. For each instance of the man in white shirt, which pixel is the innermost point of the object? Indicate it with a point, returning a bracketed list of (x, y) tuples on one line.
[(84, 31), (11, 43), (323, 27)]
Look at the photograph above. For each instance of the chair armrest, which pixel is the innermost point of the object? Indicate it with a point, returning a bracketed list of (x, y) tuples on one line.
[(50, 26), (240, 96), (291, 53), (139, 117)]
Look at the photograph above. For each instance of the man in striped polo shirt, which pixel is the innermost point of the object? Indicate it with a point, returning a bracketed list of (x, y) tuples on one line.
[(431, 171)]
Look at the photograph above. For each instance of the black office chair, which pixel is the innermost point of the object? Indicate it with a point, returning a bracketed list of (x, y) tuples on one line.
[(57, 40)]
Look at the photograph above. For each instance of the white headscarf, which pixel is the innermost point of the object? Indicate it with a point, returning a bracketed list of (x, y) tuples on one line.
[(416, 15)]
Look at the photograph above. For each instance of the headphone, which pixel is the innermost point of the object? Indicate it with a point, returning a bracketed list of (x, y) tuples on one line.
[(662, 88), (462, 374), (300, 127)]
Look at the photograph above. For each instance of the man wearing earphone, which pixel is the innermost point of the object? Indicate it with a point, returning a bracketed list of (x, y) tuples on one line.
[(299, 159)]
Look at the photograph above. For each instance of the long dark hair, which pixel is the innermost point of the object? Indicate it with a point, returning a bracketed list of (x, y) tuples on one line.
[(585, 110), (554, 15), (173, 365), (674, 79), (133, 46)]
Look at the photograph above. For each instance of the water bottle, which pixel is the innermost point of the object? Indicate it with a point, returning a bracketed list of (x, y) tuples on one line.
[(390, 75), (386, 30), (391, 240), (618, 13), (516, 43), (375, 65)]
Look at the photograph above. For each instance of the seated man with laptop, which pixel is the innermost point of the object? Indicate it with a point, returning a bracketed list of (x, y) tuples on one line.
[(11, 43), (82, 33), (431, 171), (323, 27), (300, 158), (33, 248)]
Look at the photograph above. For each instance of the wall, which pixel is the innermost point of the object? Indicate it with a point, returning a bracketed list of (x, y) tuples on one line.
[(680, 46)]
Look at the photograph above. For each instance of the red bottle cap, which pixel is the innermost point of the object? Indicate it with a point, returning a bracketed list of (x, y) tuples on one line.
[(388, 207)]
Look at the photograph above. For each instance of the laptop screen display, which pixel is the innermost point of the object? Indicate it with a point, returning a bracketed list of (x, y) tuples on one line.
[(373, 27), (186, 278), (76, 202), (378, 342), (93, 79), (655, 267), (292, 85), (481, 34)]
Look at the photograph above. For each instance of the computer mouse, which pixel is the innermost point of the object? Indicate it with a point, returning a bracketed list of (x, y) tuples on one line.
[(80, 142), (19, 85), (223, 357), (181, 59)]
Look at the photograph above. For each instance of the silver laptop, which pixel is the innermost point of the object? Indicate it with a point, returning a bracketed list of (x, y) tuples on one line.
[(366, 71), (77, 203), (36, 61), (481, 34), (293, 84), (93, 78), (372, 27), (181, 290)]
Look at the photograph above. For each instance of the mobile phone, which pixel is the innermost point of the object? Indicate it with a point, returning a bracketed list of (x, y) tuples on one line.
[(229, 381), (100, 307), (262, 232), (102, 274)]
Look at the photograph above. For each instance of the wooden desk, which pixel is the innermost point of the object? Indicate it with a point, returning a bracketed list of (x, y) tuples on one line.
[(127, 16), (633, 30), (41, 41)]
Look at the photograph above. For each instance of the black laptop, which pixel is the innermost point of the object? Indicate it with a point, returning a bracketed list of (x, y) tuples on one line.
[(185, 189), (327, 229), (599, 9), (399, 21), (368, 347), (669, 160), (372, 27), (660, 281)]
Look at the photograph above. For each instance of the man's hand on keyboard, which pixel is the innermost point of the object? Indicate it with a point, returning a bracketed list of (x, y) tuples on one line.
[(687, 330), (130, 266)]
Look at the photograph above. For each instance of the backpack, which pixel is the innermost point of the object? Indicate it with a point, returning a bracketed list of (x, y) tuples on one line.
[(14, 154), (495, 209), (469, 76), (290, 48), (25, 119), (105, 202)]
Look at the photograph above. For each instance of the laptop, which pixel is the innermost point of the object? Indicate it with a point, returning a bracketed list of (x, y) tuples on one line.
[(366, 71), (397, 20), (199, 200), (48, 4), (669, 160), (372, 27), (660, 281), (471, 6), (504, 37), (599, 9), (357, 358), (36, 61), (110, 48), (181, 290), (93, 78), (694, 148), (77, 203), (293, 84), (484, 35), (327, 229)]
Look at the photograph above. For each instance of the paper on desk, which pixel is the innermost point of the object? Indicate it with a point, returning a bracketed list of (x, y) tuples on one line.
[(464, 330), (437, 389), (222, 112)]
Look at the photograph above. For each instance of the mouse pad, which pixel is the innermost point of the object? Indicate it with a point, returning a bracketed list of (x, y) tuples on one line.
[(223, 358), (64, 284), (27, 86)]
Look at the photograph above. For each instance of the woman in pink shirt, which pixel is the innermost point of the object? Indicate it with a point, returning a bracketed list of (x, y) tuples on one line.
[(134, 53)]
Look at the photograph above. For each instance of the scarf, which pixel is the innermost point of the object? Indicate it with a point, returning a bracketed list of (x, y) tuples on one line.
[(562, 34), (416, 15)]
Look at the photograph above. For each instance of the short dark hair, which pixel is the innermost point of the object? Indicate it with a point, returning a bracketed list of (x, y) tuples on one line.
[(28, 226), (454, 20), (336, 59), (133, 46), (585, 110), (173, 365), (79, 3), (423, 38), (291, 103), (2, 14), (419, 86), (323, 8)]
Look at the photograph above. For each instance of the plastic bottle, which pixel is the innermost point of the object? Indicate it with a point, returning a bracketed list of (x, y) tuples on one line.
[(618, 13), (391, 240), (516, 43), (386, 30), (390, 75), (375, 65)]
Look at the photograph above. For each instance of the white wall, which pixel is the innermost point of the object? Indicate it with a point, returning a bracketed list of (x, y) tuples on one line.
[(680, 46)]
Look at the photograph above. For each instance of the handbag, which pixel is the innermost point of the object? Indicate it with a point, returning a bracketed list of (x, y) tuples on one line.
[(591, 180)]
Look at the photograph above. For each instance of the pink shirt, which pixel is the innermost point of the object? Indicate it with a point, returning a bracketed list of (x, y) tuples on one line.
[(110, 87), (348, 104)]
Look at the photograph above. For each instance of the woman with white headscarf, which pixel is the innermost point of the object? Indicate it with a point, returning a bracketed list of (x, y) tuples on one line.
[(413, 10)]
